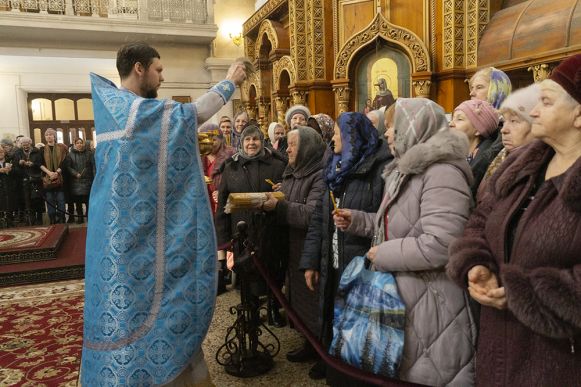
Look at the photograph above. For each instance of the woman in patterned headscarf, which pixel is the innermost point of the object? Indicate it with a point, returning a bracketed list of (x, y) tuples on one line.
[(425, 206), (493, 86), (352, 175), (490, 84), (324, 125)]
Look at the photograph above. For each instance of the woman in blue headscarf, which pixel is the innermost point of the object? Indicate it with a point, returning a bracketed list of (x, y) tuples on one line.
[(352, 173)]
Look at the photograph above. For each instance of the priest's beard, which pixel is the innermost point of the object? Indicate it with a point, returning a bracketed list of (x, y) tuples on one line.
[(150, 93)]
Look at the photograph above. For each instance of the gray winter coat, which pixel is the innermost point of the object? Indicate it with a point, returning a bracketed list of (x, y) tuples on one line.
[(430, 211)]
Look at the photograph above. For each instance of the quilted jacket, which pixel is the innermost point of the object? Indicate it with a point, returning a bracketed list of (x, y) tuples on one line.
[(429, 212)]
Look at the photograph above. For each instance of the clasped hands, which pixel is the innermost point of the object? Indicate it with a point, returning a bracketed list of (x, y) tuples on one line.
[(483, 287)]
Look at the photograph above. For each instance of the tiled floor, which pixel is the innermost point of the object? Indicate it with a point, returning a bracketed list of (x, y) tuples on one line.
[(284, 373)]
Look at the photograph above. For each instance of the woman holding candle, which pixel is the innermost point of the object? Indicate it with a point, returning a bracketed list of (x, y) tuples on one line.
[(352, 172)]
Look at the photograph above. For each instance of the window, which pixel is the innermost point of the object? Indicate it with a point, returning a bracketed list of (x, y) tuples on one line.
[(41, 109), (85, 109), (64, 109)]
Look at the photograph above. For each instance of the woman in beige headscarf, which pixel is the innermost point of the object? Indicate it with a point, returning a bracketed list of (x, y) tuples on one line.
[(425, 205)]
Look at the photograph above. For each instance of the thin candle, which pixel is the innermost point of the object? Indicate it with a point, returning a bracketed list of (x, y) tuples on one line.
[(333, 200)]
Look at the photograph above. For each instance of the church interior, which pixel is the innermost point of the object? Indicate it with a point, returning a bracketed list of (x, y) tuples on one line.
[(332, 56)]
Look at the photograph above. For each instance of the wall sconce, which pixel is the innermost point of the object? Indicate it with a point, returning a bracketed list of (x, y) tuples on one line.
[(236, 39)]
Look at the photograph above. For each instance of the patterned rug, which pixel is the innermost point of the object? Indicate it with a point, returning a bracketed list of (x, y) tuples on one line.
[(30, 244), (41, 328), (41, 331)]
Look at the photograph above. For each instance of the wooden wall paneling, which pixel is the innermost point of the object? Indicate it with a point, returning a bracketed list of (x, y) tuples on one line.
[(451, 91), (410, 15), (438, 35), (354, 16), (322, 100)]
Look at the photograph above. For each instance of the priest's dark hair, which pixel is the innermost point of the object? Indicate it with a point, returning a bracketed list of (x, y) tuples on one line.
[(132, 53)]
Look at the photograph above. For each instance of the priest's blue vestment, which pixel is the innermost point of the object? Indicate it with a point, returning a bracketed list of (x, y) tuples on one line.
[(150, 275)]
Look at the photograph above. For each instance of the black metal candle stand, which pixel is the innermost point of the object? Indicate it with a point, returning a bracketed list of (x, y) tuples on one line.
[(245, 352)]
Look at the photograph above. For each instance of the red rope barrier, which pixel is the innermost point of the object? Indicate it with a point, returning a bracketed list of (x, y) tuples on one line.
[(364, 376)]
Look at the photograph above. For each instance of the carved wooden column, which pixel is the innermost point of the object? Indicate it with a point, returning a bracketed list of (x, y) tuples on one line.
[(15, 5), (43, 7), (342, 93), (299, 96), (280, 103), (422, 88), (541, 71), (263, 116), (69, 10), (422, 84)]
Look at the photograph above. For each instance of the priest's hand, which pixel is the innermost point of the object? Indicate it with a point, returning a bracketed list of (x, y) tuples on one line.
[(236, 73)]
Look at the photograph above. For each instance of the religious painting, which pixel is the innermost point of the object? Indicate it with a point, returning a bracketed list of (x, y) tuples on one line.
[(237, 106), (382, 76)]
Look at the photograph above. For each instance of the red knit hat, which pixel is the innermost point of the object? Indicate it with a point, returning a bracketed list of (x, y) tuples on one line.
[(568, 75)]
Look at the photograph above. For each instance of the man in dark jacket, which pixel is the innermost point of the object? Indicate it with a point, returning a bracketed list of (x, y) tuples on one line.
[(27, 161)]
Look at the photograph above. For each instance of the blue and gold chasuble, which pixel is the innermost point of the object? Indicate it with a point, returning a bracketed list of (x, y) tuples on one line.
[(150, 276)]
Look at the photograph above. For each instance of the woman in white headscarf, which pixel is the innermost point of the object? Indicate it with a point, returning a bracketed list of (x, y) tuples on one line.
[(276, 137)]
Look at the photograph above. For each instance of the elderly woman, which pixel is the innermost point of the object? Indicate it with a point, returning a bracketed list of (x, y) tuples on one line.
[(7, 190), (324, 125), (27, 162), (516, 130), (276, 137), (426, 204), (303, 186), (353, 174), (478, 120), (388, 116), (248, 171), (297, 115), (377, 119), (81, 170), (226, 128), (519, 256), (490, 84)]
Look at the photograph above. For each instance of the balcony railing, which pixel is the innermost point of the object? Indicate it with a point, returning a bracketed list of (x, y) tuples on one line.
[(175, 11)]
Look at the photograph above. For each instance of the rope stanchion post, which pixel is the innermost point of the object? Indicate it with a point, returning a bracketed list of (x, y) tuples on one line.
[(243, 353)]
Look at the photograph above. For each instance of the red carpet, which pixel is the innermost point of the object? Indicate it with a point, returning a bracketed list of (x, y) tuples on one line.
[(69, 264), (41, 334)]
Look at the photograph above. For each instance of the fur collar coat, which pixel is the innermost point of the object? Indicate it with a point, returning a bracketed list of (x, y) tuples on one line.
[(428, 210), (536, 340)]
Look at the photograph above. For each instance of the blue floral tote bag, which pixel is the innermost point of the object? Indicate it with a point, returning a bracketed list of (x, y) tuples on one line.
[(369, 320)]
